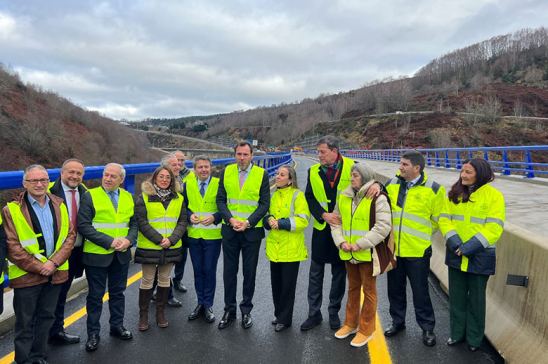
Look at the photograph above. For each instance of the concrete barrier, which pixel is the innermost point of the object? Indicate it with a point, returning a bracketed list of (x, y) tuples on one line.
[(516, 317)]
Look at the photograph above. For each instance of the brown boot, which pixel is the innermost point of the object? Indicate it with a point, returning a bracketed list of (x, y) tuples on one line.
[(144, 302), (162, 294)]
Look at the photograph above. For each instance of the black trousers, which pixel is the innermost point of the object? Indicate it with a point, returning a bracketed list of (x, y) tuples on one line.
[(116, 275), (34, 314), (59, 322), (417, 270), (283, 277), (231, 260), (315, 288)]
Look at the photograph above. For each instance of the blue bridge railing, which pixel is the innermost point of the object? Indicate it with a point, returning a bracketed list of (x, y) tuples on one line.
[(529, 161), (270, 162)]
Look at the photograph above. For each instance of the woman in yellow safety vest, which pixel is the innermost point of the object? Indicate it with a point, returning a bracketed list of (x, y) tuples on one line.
[(285, 248), (355, 239), (162, 223), (471, 221)]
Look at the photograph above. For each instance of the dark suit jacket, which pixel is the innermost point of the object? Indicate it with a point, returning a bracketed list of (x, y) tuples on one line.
[(86, 213), (76, 266), (252, 233)]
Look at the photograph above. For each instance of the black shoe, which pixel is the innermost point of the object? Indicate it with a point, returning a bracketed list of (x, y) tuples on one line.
[(93, 342), (121, 333), (179, 286), (428, 337), (281, 327), (334, 322), (247, 321), (174, 302), (453, 342), (198, 311), (473, 348), (208, 315), (62, 338), (311, 323), (274, 322), (394, 330), (227, 319)]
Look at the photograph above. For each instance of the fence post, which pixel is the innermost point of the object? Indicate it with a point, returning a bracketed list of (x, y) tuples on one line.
[(447, 163), (457, 163), (437, 159), (506, 168), (528, 165), (428, 159)]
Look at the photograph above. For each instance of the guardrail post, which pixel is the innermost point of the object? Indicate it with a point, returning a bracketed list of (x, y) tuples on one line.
[(486, 155), (438, 164), (506, 168), (528, 165), (447, 163), (457, 163), (428, 160)]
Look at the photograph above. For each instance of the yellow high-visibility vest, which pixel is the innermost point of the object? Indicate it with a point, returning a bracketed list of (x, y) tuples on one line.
[(203, 206), (29, 239), (242, 203), (355, 226), (162, 220), (317, 186), (114, 223)]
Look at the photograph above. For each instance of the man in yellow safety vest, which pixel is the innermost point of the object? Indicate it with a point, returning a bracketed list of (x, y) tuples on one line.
[(40, 240)]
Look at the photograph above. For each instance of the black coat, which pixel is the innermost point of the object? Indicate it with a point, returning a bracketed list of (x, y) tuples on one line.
[(152, 256), (253, 233), (324, 249), (76, 265)]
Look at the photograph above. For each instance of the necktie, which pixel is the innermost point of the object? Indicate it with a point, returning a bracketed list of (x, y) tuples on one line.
[(112, 196), (73, 208), (202, 189), (242, 179)]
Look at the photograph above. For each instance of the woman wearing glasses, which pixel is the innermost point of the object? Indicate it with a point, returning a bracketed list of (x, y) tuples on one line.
[(162, 222)]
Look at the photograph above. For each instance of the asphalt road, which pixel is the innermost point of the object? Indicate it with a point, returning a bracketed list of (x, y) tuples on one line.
[(199, 342)]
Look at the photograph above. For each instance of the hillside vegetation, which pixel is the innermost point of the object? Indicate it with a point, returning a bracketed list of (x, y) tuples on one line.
[(505, 75), (41, 127)]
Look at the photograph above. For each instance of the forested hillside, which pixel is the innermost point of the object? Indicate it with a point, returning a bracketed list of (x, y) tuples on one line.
[(505, 75), (41, 127)]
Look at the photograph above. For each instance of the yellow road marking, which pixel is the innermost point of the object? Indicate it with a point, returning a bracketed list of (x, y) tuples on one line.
[(76, 315), (378, 350)]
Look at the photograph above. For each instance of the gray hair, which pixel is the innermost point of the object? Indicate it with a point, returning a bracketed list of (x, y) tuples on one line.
[(202, 157), (34, 166), (292, 174), (331, 141), (122, 169), (365, 172), (166, 158)]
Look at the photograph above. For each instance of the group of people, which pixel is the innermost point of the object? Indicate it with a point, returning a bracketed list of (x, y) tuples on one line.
[(56, 231)]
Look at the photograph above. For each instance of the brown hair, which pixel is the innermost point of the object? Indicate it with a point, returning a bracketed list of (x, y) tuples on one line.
[(172, 184)]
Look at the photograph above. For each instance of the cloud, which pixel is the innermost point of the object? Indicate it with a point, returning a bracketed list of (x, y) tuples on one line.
[(143, 58)]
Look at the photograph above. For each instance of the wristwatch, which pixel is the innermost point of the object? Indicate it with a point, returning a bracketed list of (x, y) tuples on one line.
[(248, 224)]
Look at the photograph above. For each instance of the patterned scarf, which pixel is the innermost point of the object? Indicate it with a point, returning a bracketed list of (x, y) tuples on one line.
[(161, 193)]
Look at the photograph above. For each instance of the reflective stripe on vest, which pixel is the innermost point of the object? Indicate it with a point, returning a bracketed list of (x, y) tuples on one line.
[(354, 225), (2, 273), (114, 223), (412, 224), (202, 207), (242, 203), (162, 220), (29, 239), (317, 185)]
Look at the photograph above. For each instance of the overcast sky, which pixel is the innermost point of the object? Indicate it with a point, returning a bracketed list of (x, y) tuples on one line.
[(135, 59)]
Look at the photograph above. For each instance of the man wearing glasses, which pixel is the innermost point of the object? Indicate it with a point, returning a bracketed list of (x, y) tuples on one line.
[(40, 240)]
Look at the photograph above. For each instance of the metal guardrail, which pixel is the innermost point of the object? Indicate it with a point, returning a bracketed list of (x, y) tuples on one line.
[(270, 162), (506, 160)]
